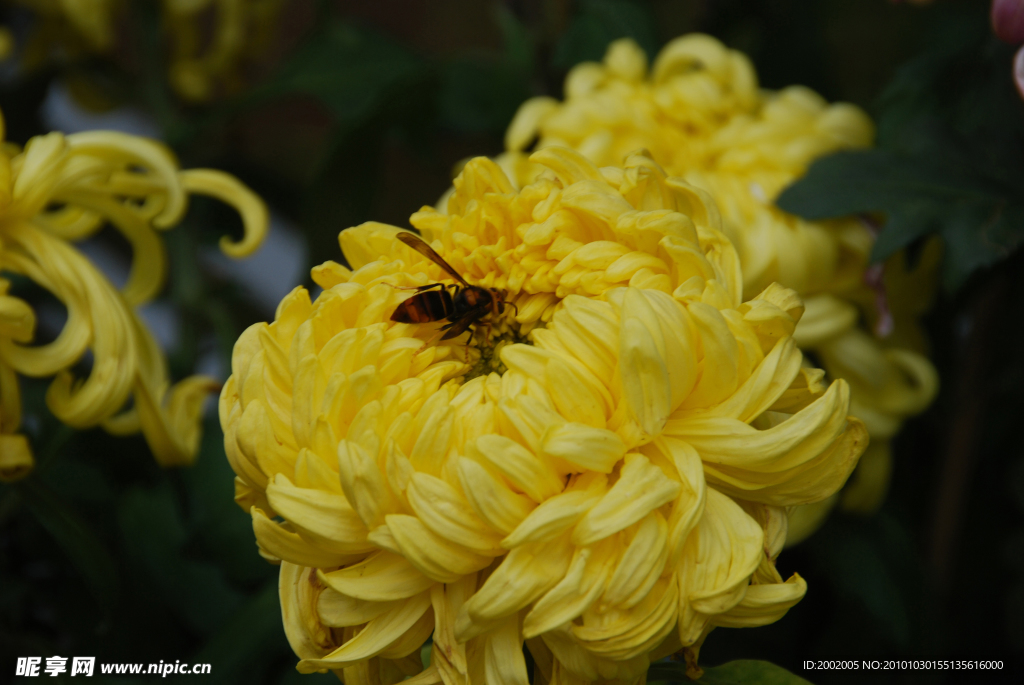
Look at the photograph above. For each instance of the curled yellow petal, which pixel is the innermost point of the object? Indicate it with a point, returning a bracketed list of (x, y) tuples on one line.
[(727, 547), (641, 488), (526, 121), (16, 460), (376, 637), (380, 577), (323, 517), (764, 604), (228, 189), (274, 539), (525, 574), (434, 556)]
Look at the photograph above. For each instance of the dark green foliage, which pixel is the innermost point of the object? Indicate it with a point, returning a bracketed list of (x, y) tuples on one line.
[(597, 23), (950, 130), (480, 92), (355, 72), (85, 551), (978, 214), (740, 672)]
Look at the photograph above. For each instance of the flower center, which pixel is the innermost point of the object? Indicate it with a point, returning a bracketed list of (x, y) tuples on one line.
[(489, 339)]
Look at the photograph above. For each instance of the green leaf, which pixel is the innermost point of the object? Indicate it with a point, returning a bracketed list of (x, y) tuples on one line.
[(481, 92), (77, 480), (951, 127), (961, 83), (247, 640), (929, 85), (517, 43), (223, 529), (86, 551), (293, 677), (863, 562), (479, 97), (980, 217), (598, 23), (155, 535), (739, 672), (352, 70)]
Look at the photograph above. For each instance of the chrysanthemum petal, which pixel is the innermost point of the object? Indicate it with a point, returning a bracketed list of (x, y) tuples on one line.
[(524, 471), (724, 549), (324, 517), (570, 166), (340, 611), (227, 189), (496, 503), (628, 634), (763, 604), (434, 556), (447, 653), (524, 575), (576, 591), (525, 122), (447, 514), (558, 514), (772, 377), (641, 488), (381, 577), (16, 459), (590, 449), (640, 564), (297, 586), (363, 483), (504, 663), (645, 381), (376, 637), (289, 546)]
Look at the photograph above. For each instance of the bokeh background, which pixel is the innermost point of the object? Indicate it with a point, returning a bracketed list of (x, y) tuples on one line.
[(349, 111)]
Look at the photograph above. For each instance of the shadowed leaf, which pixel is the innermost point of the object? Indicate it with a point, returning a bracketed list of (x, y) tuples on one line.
[(739, 672), (86, 551), (980, 218), (598, 23), (155, 536), (353, 71)]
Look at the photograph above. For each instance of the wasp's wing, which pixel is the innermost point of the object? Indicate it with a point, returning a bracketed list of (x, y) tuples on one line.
[(458, 327), (418, 244)]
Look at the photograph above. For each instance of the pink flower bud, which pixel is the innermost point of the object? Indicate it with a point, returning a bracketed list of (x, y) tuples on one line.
[(1008, 20)]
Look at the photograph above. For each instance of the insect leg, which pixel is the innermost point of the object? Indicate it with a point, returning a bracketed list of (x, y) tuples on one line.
[(464, 321)]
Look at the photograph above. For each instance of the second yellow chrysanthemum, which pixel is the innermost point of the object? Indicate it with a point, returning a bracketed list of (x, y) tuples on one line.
[(700, 113)]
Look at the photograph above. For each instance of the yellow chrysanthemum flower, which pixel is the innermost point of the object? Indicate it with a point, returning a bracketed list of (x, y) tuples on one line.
[(701, 115), (601, 472), (210, 40), (61, 189), (200, 63), (78, 27)]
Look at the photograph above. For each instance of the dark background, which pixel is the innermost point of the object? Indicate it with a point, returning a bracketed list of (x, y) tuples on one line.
[(360, 111)]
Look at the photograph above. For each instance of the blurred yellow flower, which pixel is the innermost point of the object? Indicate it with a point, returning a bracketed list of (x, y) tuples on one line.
[(61, 189), (77, 27), (200, 64), (601, 473), (701, 115), (6, 43), (209, 40)]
